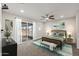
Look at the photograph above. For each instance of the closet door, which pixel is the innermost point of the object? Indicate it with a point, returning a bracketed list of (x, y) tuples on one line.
[(30, 31), (27, 31), (24, 31)]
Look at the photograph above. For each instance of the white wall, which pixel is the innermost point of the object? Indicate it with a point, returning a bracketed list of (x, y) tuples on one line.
[(17, 30), (38, 27), (8, 16), (38, 30), (0, 29), (70, 26), (15, 33), (77, 28)]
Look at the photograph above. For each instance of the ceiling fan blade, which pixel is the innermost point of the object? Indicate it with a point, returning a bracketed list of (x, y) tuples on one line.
[(47, 15), (43, 16), (51, 18), (41, 19)]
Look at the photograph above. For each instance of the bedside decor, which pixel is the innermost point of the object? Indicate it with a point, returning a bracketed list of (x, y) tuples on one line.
[(7, 35), (70, 38), (7, 32)]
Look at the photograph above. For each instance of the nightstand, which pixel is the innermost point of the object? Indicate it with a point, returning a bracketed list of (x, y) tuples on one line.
[(69, 41), (70, 45)]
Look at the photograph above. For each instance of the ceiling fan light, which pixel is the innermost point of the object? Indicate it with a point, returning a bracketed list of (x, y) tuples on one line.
[(47, 18), (62, 16)]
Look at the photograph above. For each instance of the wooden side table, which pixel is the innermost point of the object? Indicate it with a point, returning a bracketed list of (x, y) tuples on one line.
[(69, 41)]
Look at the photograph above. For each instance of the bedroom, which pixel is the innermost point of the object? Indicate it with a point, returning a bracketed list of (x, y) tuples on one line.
[(56, 27), (50, 23)]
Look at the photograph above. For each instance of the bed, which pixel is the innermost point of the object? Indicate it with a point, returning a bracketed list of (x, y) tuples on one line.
[(56, 37)]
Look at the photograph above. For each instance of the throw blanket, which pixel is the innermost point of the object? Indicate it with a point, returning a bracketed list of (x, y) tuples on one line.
[(57, 42)]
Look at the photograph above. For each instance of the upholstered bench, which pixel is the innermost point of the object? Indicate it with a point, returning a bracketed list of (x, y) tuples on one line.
[(51, 45)]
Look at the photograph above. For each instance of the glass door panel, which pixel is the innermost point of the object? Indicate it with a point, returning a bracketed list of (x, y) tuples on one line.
[(24, 31)]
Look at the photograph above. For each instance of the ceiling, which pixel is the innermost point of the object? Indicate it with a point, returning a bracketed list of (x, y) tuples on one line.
[(36, 10)]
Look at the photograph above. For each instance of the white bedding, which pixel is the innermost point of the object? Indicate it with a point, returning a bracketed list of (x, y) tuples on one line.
[(48, 43), (51, 45), (57, 35), (57, 38)]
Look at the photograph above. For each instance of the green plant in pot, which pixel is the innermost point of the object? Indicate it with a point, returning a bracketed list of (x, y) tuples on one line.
[(7, 34)]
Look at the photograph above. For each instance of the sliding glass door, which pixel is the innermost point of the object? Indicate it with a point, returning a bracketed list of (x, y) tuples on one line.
[(24, 31), (27, 31), (30, 31)]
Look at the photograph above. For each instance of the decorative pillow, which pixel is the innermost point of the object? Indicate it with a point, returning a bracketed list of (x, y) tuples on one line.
[(61, 34), (54, 34), (57, 35)]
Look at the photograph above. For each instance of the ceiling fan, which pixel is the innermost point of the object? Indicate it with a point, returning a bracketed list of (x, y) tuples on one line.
[(47, 17)]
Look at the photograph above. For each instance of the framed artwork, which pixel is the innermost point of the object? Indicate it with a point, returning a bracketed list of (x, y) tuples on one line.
[(9, 24)]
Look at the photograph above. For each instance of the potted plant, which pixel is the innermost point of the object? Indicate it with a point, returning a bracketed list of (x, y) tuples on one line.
[(7, 34)]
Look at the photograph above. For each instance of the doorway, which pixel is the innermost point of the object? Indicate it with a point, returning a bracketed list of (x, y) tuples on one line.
[(27, 31), (30, 31)]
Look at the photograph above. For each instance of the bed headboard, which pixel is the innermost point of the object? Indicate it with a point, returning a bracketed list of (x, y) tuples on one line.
[(63, 31)]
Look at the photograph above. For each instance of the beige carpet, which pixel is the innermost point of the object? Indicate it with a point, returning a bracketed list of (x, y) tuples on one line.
[(29, 49)]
